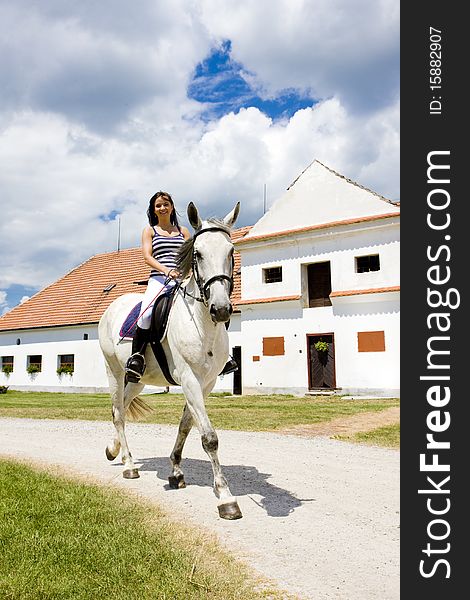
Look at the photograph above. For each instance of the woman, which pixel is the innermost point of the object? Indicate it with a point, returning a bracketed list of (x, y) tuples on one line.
[(161, 240)]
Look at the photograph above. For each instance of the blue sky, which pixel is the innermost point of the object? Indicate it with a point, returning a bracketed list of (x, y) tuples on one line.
[(219, 83), (104, 103)]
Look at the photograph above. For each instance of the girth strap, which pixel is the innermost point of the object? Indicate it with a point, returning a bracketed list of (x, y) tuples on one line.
[(160, 314), (162, 361)]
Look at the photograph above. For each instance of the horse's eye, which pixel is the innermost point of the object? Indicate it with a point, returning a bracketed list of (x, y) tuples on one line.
[(198, 255)]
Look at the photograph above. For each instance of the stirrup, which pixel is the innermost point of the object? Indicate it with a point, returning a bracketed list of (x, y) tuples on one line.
[(230, 367), (135, 367)]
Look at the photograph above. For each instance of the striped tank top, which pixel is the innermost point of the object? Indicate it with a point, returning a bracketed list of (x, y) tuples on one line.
[(165, 250)]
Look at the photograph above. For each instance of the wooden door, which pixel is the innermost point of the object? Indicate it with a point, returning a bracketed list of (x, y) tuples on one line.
[(321, 363), (319, 284)]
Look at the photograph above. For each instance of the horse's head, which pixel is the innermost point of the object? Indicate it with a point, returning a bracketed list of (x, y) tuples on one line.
[(212, 261)]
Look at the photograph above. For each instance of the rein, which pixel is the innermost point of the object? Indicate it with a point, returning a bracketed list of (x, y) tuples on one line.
[(204, 286)]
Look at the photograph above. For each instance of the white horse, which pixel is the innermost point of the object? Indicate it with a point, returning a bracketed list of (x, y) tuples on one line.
[(196, 347)]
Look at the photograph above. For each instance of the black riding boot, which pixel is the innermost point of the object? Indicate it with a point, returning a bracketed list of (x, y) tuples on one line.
[(135, 365), (230, 367)]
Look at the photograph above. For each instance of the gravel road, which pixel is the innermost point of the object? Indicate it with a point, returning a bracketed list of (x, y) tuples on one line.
[(320, 517)]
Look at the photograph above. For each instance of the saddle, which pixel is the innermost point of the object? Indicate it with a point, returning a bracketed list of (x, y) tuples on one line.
[(160, 315)]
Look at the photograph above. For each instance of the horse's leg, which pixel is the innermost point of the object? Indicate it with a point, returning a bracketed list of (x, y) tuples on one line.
[(121, 399), (112, 449), (131, 390), (176, 479), (227, 505)]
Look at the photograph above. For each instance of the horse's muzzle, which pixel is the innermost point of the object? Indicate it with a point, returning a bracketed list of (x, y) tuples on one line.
[(221, 314)]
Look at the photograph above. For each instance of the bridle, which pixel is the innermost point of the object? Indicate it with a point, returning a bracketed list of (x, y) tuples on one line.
[(202, 285)]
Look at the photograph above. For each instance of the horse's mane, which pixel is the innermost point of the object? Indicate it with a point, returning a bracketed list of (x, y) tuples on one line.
[(184, 259)]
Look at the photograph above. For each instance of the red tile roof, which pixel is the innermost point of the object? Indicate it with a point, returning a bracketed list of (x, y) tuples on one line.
[(237, 280), (79, 297)]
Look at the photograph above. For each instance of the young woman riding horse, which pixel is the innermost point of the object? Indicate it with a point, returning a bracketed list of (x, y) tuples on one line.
[(162, 238)]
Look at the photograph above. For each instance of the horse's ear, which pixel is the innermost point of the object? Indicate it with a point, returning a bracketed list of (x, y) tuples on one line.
[(232, 215), (193, 216)]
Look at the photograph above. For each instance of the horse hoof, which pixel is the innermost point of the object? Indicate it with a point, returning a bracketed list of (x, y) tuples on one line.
[(230, 510), (176, 483), (110, 456), (131, 474)]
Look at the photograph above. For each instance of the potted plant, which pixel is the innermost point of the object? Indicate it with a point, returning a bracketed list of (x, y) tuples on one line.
[(65, 370), (33, 369), (7, 369), (321, 346)]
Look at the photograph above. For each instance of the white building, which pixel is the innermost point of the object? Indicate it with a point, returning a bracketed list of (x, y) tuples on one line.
[(322, 265)]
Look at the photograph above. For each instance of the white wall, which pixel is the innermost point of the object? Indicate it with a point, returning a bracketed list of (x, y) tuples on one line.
[(370, 370), (356, 372), (272, 373), (320, 195), (340, 246), (89, 369), (47, 334)]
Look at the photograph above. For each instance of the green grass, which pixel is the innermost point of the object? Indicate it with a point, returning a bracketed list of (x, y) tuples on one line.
[(62, 539), (387, 437), (244, 413)]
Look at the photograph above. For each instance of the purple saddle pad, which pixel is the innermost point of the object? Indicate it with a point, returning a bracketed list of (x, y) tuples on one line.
[(130, 324)]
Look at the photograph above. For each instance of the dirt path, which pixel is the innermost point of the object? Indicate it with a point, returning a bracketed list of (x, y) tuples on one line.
[(320, 517), (348, 425)]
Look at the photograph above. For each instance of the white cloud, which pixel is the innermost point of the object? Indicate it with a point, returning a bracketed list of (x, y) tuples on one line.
[(70, 60)]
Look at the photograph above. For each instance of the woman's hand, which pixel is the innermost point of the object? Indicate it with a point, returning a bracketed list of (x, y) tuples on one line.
[(173, 273)]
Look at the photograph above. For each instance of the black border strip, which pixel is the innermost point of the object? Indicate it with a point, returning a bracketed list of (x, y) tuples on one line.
[(424, 130)]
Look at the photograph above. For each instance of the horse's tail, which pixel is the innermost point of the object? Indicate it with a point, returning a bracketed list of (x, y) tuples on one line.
[(139, 409)]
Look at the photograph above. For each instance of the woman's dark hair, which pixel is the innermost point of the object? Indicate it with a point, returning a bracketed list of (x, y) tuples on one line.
[(153, 219)]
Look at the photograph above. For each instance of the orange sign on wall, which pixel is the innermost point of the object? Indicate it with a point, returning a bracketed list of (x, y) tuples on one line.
[(371, 341), (273, 346)]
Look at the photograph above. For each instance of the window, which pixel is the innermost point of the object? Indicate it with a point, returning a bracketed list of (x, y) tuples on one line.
[(85, 336), (7, 364), (319, 284), (273, 346), (272, 275), (364, 264), (34, 363), (65, 364)]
